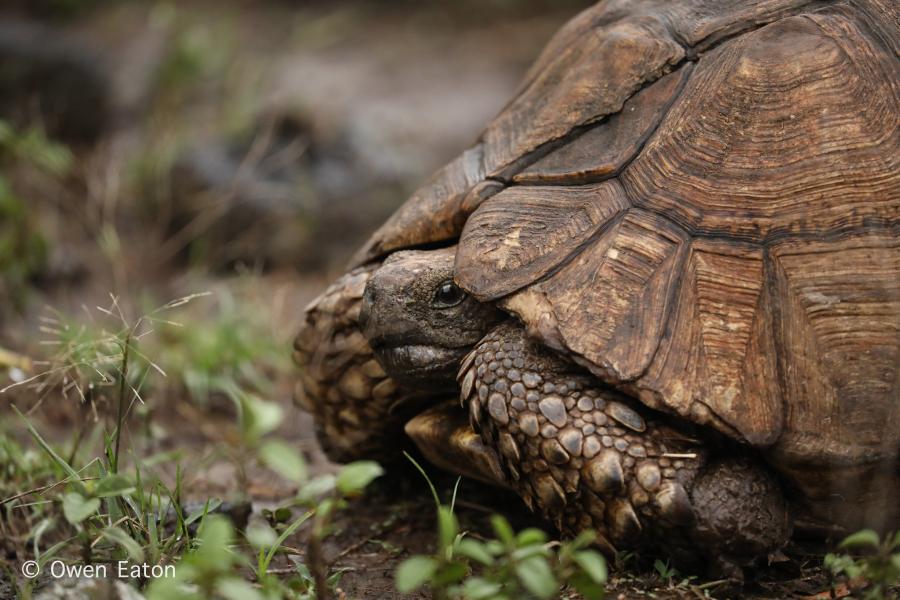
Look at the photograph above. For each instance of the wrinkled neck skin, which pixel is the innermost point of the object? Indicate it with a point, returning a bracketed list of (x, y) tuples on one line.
[(418, 323)]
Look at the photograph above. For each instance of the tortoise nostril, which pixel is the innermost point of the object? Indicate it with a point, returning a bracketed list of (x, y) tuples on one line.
[(369, 295)]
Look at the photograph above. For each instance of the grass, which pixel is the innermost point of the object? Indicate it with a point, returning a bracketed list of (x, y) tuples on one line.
[(510, 565), (97, 503)]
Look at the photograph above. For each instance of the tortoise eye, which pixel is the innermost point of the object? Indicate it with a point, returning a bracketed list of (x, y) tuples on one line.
[(447, 295)]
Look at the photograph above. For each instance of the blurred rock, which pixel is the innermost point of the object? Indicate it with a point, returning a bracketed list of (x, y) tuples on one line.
[(53, 80), (282, 195)]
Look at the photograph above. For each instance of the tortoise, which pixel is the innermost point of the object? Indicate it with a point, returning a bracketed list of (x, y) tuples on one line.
[(667, 276)]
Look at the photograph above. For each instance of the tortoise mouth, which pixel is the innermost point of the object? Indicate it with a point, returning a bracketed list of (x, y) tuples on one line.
[(421, 366)]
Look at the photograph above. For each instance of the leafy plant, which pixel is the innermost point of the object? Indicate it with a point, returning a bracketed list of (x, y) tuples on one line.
[(513, 565), (871, 567)]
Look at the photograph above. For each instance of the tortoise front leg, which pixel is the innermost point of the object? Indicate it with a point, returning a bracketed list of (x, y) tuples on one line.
[(587, 458)]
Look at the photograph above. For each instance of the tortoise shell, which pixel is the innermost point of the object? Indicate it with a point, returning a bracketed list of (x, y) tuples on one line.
[(700, 203)]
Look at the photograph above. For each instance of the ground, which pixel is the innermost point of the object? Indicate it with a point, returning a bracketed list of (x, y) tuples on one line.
[(230, 141)]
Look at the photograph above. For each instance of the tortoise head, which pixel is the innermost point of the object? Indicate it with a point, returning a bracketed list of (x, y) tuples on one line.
[(419, 322)]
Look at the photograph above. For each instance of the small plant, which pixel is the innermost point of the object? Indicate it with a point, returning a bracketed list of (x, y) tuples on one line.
[(513, 565), (871, 569)]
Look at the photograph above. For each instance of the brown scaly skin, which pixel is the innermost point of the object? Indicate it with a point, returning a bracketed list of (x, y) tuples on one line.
[(359, 411), (585, 456)]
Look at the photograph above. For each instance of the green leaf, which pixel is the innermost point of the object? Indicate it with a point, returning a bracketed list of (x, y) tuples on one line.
[(895, 561), (475, 550), (530, 536), (537, 577), (353, 478), (129, 545), (588, 588), (208, 507), (261, 535), (259, 417), (583, 540), (316, 488), (234, 588), (593, 564), (413, 573), (77, 508), (113, 485), (449, 573), (476, 588), (447, 527), (503, 530), (861, 539), (215, 535), (284, 460)]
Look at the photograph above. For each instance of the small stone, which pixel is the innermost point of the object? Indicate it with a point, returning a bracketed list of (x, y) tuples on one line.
[(501, 386), (553, 408), (585, 404), (588, 429), (517, 403), (528, 423), (532, 396), (599, 403), (514, 375), (579, 423), (517, 389), (549, 388), (493, 365), (497, 409), (531, 380), (600, 418), (483, 391), (507, 363), (669, 473), (621, 445), (553, 452), (607, 441)]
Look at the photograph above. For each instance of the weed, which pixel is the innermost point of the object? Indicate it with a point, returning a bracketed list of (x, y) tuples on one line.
[(512, 565), (871, 569)]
